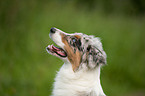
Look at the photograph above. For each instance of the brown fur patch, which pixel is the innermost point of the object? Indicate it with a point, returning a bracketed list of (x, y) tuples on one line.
[(74, 58), (77, 36)]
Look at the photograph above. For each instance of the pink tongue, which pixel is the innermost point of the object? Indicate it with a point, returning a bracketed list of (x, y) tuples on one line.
[(60, 53), (55, 48)]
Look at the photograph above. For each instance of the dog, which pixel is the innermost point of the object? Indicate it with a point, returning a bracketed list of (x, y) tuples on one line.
[(83, 57)]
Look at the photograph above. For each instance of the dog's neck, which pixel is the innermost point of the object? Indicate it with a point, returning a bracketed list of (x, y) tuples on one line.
[(79, 83)]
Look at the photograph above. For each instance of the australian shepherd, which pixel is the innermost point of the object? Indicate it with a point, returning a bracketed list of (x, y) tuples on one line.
[(83, 57)]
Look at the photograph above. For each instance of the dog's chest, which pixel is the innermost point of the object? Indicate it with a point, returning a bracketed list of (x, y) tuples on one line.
[(68, 83)]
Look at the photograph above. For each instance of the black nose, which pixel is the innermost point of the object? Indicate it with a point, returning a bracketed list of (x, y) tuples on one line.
[(52, 30)]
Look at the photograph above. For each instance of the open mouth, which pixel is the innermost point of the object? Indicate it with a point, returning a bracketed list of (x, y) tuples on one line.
[(56, 50)]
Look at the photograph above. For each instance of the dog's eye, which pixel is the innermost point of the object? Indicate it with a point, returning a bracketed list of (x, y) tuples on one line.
[(74, 40)]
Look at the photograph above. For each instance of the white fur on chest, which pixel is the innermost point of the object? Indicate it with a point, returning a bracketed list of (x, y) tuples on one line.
[(81, 83)]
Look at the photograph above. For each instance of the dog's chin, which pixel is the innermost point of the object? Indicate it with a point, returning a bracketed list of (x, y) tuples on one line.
[(56, 51)]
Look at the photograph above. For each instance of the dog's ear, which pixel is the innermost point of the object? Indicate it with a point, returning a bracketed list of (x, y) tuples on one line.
[(94, 56)]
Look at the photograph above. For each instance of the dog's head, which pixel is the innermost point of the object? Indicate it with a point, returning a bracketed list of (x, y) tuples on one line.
[(79, 49)]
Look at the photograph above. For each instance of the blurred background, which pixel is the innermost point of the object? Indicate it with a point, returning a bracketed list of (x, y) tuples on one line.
[(26, 69)]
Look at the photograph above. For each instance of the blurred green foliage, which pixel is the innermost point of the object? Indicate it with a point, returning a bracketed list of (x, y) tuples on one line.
[(26, 69)]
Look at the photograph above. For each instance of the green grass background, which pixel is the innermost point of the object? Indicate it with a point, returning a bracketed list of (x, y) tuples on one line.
[(26, 69)]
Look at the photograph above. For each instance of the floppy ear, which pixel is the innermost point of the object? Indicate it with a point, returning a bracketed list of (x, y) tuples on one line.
[(94, 56)]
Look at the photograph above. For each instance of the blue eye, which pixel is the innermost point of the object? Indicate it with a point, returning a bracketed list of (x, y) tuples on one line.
[(74, 40)]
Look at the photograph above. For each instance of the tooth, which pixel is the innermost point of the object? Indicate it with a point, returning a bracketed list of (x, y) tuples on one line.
[(49, 46)]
